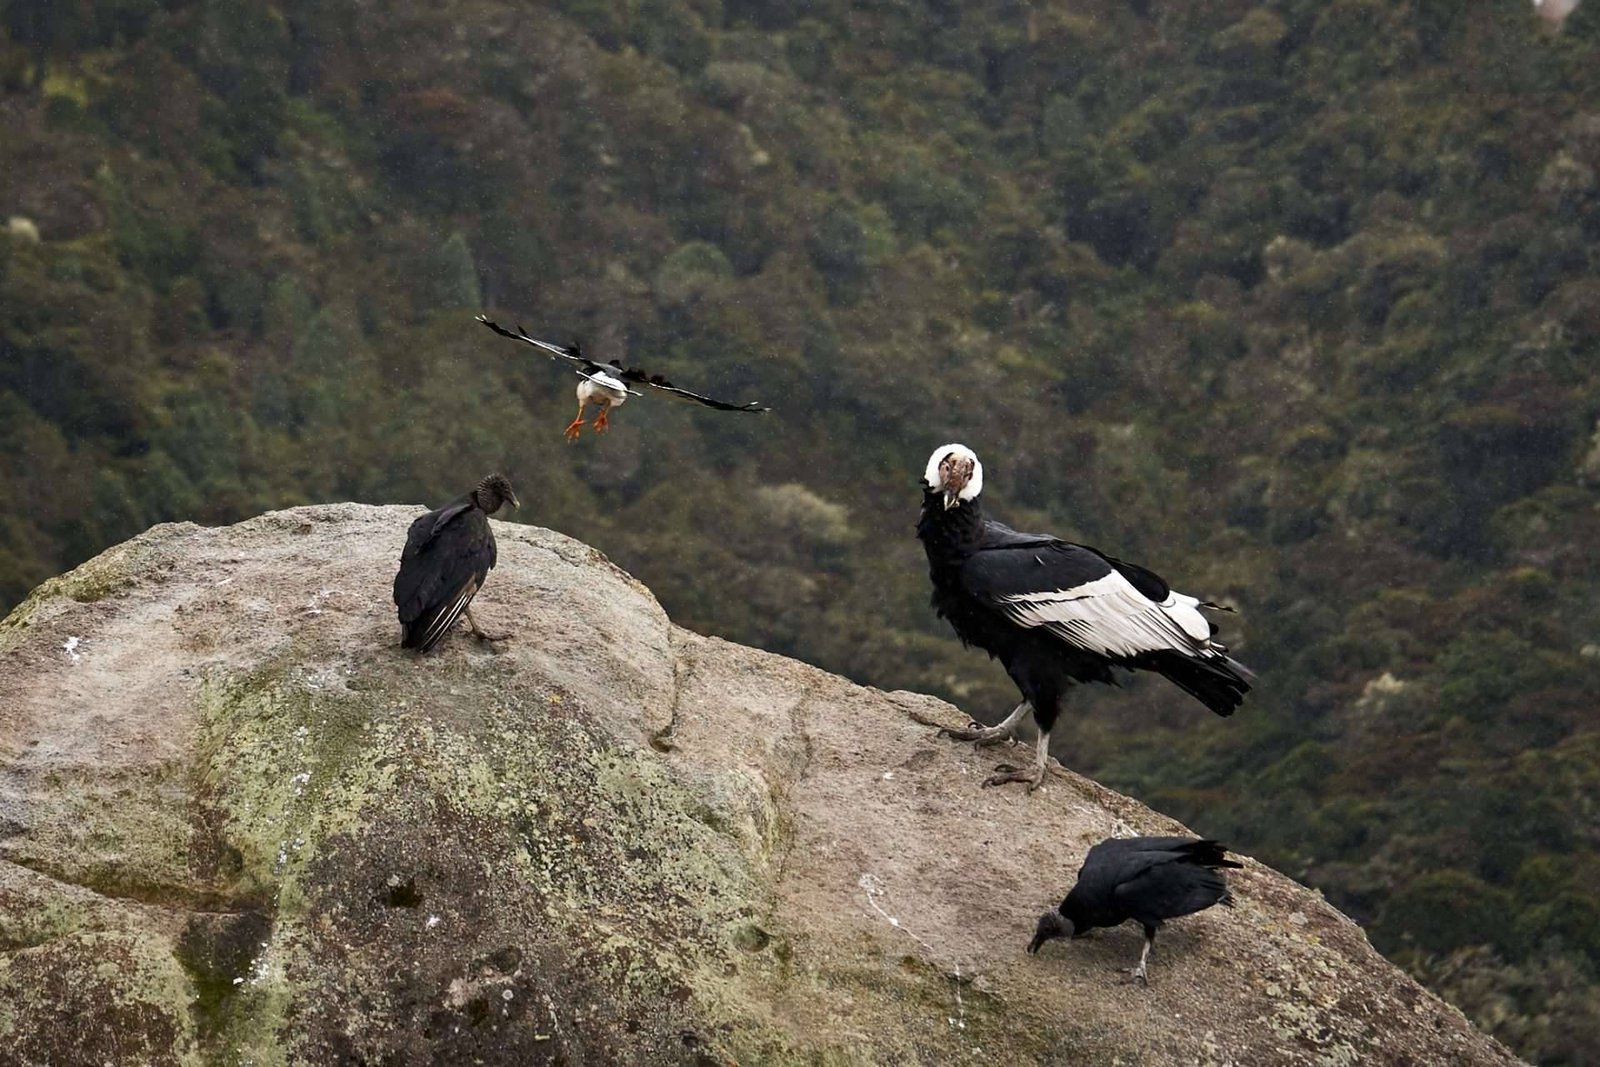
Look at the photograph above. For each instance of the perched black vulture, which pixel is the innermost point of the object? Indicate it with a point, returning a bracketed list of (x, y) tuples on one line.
[(606, 384), (448, 554), (1055, 613), (1146, 879)]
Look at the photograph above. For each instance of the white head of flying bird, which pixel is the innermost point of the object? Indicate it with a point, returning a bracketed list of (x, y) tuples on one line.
[(954, 470)]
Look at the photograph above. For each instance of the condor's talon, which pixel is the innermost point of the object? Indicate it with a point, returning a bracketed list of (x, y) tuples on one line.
[(987, 735)]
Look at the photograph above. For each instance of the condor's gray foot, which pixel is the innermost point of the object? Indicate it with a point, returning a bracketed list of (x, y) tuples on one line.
[(1033, 776), (989, 735)]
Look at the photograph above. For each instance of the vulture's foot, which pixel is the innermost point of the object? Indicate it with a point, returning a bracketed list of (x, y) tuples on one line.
[(976, 731), (1004, 773), (1137, 976)]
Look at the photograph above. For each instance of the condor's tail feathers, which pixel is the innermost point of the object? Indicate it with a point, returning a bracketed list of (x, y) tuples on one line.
[(1219, 681)]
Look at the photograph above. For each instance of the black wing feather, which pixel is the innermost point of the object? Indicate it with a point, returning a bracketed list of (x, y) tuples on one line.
[(1019, 564), (1149, 879), (572, 354), (1170, 890)]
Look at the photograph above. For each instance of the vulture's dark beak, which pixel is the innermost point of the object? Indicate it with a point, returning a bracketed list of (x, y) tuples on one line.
[(515, 502), (1051, 926), (952, 497)]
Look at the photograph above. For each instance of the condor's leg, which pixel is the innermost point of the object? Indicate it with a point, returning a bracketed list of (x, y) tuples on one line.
[(991, 735)]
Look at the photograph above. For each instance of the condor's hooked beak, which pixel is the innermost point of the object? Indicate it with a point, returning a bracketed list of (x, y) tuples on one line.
[(954, 473), (515, 502)]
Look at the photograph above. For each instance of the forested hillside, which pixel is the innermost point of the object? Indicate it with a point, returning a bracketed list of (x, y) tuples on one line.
[(1294, 301)]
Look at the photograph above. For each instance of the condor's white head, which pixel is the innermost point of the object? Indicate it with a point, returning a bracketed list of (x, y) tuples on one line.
[(954, 470)]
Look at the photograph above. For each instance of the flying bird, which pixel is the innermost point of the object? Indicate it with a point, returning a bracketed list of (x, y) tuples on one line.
[(1055, 613), (606, 384), (448, 554), (1146, 879)]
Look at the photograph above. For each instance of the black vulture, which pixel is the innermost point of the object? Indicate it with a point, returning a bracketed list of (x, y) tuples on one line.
[(606, 384), (1055, 613), (1146, 879), (448, 554)]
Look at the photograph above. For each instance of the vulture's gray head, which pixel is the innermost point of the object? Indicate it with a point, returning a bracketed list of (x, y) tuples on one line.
[(494, 491)]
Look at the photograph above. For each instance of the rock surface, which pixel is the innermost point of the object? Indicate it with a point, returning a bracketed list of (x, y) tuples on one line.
[(239, 825)]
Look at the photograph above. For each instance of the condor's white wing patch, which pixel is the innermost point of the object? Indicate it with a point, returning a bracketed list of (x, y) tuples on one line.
[(1110, 616)]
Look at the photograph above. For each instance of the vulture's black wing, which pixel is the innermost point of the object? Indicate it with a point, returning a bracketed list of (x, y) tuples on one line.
[(1151, 876), (448, 554), (1167, 890)]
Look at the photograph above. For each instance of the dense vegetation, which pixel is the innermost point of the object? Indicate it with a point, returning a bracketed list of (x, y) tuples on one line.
[(1294, 300)]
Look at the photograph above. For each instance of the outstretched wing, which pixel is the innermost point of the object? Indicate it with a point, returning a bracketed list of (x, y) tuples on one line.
[(1088, 600), (572, 355), (656, 381)]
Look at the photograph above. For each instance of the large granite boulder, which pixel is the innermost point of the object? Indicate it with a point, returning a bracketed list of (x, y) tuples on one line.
[(239, 825)]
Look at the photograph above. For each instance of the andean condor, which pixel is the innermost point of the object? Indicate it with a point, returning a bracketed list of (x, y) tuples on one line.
[(448, 554), (1146, 879), (606, 384), (1055, 613)]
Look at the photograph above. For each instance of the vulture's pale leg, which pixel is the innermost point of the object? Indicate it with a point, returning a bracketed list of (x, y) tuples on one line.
[(1035, 777), (576, 425), (479, 633), (602, 421), (1137, 974), (991, 735)]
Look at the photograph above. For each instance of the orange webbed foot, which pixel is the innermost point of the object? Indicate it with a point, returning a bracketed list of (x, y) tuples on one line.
[(574, 428), (602, 421)]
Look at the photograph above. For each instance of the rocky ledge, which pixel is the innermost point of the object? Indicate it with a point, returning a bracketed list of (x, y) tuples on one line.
[(239, 825)]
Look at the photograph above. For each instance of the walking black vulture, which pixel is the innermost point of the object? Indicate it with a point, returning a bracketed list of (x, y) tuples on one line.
[(606, 384), (1146, 879), (1055, 613), (448, 554)]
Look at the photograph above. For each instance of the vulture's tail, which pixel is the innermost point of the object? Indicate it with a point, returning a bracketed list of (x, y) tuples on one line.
[(1219, 682)]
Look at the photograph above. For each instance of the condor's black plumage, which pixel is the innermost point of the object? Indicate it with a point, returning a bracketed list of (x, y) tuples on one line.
[(448, 554), (1055, 613), (1146, 879)]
